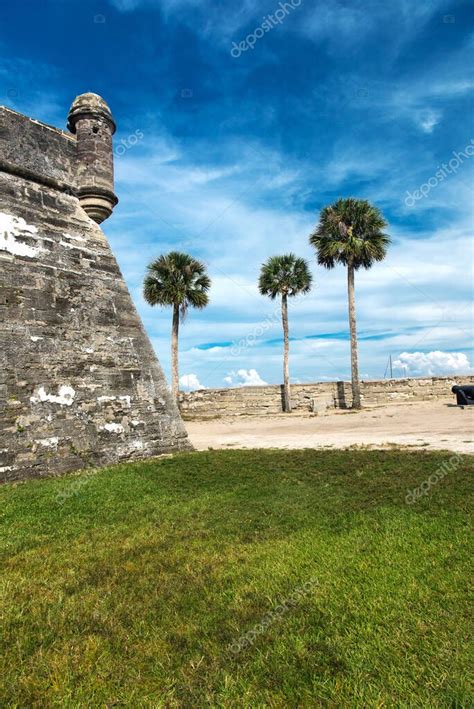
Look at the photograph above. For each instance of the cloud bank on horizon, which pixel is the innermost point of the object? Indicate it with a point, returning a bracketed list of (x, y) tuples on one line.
[(433, 363), (231, 158)]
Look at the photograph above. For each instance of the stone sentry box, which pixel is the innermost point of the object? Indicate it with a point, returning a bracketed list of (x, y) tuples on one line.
[(79, 381)]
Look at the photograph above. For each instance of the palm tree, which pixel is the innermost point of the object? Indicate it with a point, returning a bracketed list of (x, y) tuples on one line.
[(179, 280), (351, 232), (286, 276)]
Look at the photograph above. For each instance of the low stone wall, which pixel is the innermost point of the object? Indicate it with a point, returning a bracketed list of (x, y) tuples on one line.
[(317, 397)]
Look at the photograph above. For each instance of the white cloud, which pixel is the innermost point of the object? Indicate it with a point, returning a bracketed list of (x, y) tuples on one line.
[(353, 23), (433, 363), (190, 382), (216, 23), (418, 100), (427, 119), (125, 5), (244, 378)]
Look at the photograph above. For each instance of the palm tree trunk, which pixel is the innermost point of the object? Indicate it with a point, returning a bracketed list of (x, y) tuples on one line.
[(353, 328), (174, 353), (286, 349)]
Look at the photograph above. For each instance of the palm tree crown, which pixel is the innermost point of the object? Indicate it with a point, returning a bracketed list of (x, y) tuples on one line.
[(284, 275), (350, 232), (177, 279)]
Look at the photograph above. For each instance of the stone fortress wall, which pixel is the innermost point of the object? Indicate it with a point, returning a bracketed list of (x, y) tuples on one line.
[(79, 381), (316, 398)]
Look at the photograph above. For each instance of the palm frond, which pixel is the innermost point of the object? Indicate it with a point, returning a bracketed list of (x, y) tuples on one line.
[(350, 231), (179, 279), (284, 275)]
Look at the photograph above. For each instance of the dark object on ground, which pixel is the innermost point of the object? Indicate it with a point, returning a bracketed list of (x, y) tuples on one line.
[(464, 395)]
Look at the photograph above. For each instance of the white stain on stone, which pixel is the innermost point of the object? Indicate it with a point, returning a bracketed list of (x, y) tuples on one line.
[(113, 428), (6, 468), (103, 399), (137, 445), (48, 442), (68, 246), (10, 228), (75, 238), (64, 397), (126, 400), (78, 248), (36, 338)]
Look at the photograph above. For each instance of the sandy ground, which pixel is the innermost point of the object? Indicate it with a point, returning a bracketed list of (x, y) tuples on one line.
[(429, 425)]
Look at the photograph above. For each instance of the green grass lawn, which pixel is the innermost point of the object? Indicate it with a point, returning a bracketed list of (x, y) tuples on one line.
[(132, 586)]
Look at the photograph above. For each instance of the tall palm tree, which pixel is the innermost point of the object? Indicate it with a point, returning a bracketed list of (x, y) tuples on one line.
[(179, 280), (351, 232), (286, 276)]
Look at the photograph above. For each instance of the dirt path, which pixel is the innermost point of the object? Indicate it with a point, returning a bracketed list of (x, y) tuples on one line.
[(430, 425)]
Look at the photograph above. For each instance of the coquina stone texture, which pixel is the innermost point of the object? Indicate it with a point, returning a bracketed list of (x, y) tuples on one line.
[(316, 398), (79, 380)]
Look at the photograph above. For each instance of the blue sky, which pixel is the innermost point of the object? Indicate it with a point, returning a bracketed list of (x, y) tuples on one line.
[(231, 158)]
